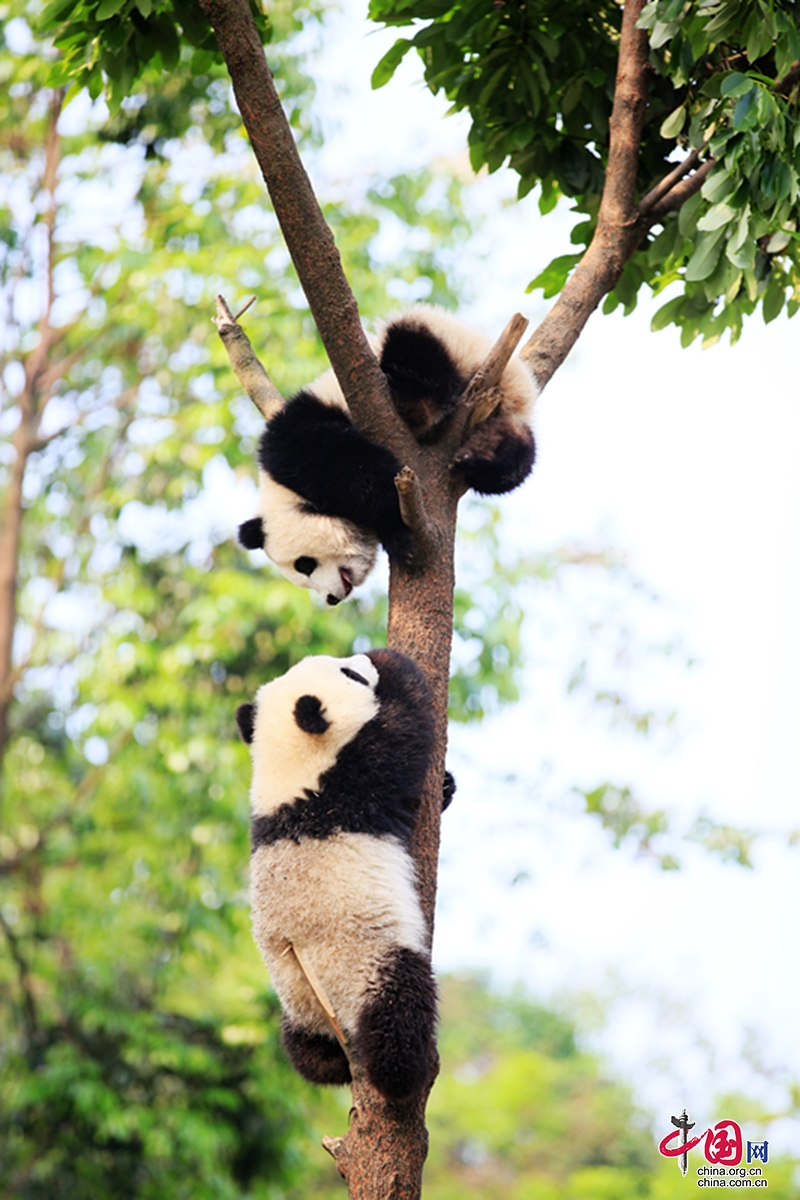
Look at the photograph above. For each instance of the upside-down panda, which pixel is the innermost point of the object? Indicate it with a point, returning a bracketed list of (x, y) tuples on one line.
[(327, 493), (340, 748)]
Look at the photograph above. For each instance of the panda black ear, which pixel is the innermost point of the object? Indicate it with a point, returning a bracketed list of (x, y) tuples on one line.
[(308, 715), (246, 720), (251, 534)]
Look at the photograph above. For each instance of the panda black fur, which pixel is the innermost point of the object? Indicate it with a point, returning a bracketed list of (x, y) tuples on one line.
[(340, 748), (327, 494)]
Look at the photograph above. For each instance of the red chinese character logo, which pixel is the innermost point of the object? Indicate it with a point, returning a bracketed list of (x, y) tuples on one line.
[(724, 1148), (723, 1143)]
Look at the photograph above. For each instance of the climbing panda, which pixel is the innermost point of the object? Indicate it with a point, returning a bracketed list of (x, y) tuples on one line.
[(327, 493), (340, 748)]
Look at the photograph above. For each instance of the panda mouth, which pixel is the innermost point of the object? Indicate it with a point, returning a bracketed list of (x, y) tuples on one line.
[(346, 576)]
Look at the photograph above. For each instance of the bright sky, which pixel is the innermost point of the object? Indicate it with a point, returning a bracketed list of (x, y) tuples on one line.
[(689, 463)]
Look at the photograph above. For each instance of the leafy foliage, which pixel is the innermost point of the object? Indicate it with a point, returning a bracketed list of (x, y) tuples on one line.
[(116, 41), (629, 822), (538, 82)]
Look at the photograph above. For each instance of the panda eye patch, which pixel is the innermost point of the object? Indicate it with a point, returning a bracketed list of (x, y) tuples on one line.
[(305, 564), (309, 716), (355, 675)]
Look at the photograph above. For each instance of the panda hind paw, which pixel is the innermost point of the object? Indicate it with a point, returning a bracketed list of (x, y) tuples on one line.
[(496, 458), (318, 1058), (395, 1036)]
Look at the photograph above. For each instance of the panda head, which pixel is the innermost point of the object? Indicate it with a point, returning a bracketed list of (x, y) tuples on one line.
[(299, 723), (329, 555)]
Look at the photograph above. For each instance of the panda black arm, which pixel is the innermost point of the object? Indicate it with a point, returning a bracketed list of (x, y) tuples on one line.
[(315, 450)]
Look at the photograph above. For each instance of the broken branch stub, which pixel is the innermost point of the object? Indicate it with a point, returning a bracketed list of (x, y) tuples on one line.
[(412, 510), (482, 394), (246, 364)]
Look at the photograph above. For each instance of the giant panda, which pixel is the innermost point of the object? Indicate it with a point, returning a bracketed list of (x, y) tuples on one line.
[(327, 493), (340, 748)]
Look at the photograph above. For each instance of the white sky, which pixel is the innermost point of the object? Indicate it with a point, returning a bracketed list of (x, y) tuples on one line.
[(689, 462)]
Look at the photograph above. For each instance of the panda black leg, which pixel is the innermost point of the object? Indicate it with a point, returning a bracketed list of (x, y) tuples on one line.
[(318, 1058), (497, 456), (395, 1036)]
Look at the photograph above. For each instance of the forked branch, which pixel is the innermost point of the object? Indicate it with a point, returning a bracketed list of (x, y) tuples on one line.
[(482, 395), (249, 371)]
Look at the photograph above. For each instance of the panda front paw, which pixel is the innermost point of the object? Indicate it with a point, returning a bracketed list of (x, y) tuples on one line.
[(251, 534), (496, 458), (448, 789)]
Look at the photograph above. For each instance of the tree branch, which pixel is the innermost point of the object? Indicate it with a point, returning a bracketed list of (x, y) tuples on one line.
[(688, 164), (678, 195), (412, 510), (308, 237), (482, 395), (792, 76), (619, 230), (52, 158), (315, 984), (29, 1010), (249, 371)]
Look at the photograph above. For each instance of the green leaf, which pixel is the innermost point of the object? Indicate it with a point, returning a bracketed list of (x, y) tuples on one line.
[(688, 213), (53, 12), (549, 197), (718, 185), (735, 84), (555, 275), (672, 125), (743, 109), (774, 299), (780, 240), (667, 314), (108, 8), (390, 62), (759, 35), (717, 215), (705, 257)]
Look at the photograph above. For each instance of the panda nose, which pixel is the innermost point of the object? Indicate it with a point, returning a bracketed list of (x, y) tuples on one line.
[(331, 599), (347, 580)]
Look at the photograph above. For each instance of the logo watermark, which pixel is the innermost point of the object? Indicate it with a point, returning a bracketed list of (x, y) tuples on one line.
[(723, 1149)]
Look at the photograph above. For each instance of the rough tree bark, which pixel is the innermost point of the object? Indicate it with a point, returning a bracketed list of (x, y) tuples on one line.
[(382, 1155)]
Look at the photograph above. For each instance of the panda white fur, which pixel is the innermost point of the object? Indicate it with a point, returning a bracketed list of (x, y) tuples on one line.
[(340, 748), (327, 494)]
